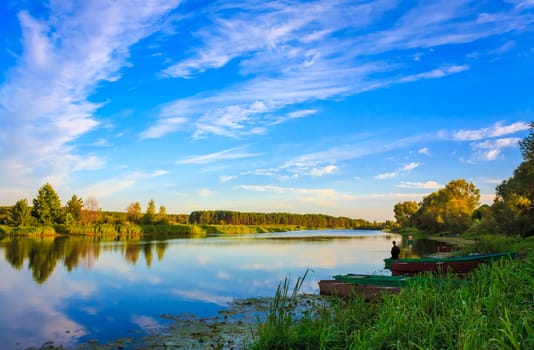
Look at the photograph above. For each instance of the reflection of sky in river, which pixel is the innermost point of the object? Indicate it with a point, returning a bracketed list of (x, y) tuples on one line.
[(127, 287)]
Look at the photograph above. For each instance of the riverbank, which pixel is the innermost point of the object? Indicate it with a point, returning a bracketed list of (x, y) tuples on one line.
[(153, 231)]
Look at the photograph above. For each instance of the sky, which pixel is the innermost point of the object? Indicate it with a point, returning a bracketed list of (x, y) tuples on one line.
[(336, 107)]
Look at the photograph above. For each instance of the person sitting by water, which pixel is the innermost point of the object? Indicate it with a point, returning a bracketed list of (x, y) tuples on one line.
[(395, 251)]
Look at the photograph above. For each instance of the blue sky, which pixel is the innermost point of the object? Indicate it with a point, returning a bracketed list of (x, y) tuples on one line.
[(336, 107)]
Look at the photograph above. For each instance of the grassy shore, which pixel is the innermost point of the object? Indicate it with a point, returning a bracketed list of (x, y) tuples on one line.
[(157, 231), (492, 310)]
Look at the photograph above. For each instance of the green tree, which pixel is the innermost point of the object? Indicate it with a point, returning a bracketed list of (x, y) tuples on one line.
[(162, 215), (20, 214), (449, 209), (404, 212), (75, 207), (514, 202), (47, 206), (134, 212), (150, 215)]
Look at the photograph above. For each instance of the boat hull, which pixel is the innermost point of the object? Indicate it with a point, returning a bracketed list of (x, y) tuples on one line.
[(347, 289), (412, 268), (460, 264)]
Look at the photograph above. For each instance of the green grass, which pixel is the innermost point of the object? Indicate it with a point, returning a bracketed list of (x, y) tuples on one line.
[(492, 310)]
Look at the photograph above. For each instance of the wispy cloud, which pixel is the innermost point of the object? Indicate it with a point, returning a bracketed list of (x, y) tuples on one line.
[(329, 169), (385, 176), (424, 151), (290, 52), (420, 185), (410, 166), (67, 53), (497, 130), (109, 187), (492, 149), (163, 127), (390, 175), (232, 153)]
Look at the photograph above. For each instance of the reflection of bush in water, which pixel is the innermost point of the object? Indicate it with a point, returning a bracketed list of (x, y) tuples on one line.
[(43, 253)]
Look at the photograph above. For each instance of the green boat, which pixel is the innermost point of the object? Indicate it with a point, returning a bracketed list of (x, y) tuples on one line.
[(464, 263), (375, 280)]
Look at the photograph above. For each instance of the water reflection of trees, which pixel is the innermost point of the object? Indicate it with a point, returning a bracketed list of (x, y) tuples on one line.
[(43, 254)]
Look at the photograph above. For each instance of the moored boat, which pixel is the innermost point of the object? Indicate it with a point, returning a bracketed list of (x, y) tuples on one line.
[(456, 264), (369, 286), (347, 289), (376, 280)]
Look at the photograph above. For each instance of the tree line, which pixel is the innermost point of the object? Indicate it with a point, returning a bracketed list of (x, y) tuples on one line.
[(47, 210), (225, 217), (456, 207)]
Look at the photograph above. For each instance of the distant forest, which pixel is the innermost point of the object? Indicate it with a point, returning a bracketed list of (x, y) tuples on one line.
[(224, 217)]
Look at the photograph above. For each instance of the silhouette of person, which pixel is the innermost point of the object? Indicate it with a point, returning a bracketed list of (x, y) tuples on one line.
[(395, 251)]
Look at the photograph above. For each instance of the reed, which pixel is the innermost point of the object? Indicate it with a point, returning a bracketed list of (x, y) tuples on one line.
[(492, 310)]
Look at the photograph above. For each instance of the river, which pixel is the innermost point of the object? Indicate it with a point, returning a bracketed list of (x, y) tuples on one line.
[(73, 290)]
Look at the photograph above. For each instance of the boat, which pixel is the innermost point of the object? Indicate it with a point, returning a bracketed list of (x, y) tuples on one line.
[(377, 280), (347, 289), (368, 286), (455, 264)]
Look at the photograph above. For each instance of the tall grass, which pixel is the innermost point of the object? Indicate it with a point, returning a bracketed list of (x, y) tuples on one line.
[(492, 310)]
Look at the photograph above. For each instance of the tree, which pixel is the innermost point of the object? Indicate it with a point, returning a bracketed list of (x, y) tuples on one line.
[(47, 206), (91, 211), (74, 208), (527, 145), (20, 214), (404, 212), (448, 209), (134, 212), (150, 215), (514, 202), (162, 215)]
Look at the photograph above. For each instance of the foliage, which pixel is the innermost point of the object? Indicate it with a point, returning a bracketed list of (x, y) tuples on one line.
[(134, 212), (404, 212), (513, 210), (492, 310), (162, 217), (20, 214), (448, 209), (47, 206), (150, 215), (224, 217), (74, 208)]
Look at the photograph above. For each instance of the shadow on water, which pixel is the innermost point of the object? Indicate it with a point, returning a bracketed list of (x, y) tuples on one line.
[(420, 247)]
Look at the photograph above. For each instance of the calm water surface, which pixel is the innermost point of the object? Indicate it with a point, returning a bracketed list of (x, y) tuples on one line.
[(70, 290)]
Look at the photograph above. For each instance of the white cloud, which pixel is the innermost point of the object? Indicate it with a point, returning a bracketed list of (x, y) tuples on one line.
[(420, 185), (163, 127), (492, 149), (385, 176), (226, 178), (410, 166), (232, 153), (425, 151), (329, 169), (497, 130), (66, 54), (291, 53), (110, 187)]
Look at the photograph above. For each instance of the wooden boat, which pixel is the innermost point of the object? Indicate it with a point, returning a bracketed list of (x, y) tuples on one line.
[(369, 286), (455, 264)]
